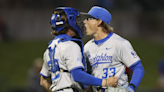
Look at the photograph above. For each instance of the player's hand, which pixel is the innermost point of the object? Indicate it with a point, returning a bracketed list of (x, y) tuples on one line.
[(112, 81)]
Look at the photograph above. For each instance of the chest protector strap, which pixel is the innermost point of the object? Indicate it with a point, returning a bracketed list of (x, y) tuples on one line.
[(54, 62)]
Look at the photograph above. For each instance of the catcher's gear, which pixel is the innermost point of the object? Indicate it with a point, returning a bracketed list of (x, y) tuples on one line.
[(120, 89), (71, 14)]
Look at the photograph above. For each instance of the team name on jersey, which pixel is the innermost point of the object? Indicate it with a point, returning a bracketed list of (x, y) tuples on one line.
[(99, 59)]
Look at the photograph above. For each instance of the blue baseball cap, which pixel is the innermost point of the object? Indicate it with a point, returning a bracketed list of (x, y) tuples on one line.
[(99, 13)]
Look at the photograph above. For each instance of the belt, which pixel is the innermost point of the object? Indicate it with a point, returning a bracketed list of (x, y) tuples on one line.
[(62, 70), (100, 89)]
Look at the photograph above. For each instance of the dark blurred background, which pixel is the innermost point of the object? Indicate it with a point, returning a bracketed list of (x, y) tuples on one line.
[(25, 31)]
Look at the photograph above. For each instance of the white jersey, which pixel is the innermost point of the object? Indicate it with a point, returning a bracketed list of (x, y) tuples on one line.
[(69, 57), (111, 58)]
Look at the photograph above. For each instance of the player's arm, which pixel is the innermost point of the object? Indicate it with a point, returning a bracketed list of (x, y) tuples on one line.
[(138, 73), (75, 66), (130, 58), (45, 79), (45, 82), (87, 79)]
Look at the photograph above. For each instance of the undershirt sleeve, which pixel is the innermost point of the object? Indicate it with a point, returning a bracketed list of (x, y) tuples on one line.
[(138, 73), (85, 78)]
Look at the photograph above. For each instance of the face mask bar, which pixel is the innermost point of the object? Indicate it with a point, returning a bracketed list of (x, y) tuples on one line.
[(79, 22)]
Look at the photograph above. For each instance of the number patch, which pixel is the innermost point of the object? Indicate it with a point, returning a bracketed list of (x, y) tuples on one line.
[(108, 72), (54, 65)]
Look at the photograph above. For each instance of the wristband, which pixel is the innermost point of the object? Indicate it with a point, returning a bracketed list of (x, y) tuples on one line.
[(132, 85)]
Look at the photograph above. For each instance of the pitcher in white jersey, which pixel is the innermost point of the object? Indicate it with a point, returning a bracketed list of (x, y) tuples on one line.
[(63, 69), (109, 54)]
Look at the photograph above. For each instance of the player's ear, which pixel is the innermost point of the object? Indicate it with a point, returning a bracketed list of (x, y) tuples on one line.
[(99, 22)]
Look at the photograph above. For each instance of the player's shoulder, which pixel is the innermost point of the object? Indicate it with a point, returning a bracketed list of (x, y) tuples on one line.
[(120, 40), (62, 44), (68, 44), (89, 43)]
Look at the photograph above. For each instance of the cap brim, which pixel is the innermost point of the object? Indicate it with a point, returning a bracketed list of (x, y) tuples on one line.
[(86, 15), (83, 16)]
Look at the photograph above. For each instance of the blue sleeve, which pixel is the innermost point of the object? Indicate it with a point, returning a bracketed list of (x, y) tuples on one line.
[(85, 78), (138, 73)]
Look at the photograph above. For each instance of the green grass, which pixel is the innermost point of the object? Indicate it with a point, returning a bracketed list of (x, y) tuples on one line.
[(150, 53), (17, 57)]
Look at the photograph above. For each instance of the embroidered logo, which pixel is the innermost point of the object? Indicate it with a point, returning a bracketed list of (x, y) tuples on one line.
[(108, 48), (134, 54)]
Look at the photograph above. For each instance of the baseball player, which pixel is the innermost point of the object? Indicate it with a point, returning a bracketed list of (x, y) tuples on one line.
[(108, 53), (63, 59)]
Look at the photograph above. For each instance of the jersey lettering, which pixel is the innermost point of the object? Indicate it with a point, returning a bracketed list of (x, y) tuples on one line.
[(103, 57)]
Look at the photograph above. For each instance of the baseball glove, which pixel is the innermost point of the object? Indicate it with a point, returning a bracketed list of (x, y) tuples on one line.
[(120, 89)]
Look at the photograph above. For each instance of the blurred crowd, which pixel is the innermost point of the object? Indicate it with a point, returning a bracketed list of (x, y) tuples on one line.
[(143, 17), (146, 5), (160, 65), (33, 79)]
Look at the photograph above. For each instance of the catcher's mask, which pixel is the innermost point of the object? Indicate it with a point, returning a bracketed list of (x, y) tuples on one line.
[(71, 14), (79, 21)]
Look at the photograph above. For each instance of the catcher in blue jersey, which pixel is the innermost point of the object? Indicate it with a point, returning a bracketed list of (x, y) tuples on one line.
[(63, 69), (109, 54)]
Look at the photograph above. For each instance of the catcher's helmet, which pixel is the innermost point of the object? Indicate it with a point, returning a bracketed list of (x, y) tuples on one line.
[(71, 14)]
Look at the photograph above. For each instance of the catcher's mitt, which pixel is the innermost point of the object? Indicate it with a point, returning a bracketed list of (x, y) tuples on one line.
[(119, 89)]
